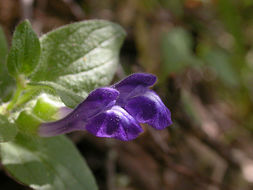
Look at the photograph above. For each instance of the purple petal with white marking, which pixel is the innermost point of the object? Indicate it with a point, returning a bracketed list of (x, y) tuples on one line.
[(149, 108), (114, 123), (98, 101)]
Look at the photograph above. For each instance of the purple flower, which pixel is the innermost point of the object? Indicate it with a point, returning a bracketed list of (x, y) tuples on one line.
[(116, 111)]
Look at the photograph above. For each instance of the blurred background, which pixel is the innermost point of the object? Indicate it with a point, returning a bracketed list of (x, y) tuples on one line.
[(202, 53)]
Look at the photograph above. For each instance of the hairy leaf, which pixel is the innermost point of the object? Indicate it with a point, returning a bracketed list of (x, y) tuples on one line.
[(46, 164), (25, 50), (7, 130), (6, 81), (78, 58)]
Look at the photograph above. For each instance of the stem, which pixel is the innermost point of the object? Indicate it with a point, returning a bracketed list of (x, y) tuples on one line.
[(28, 95), (20, 87), (14, 99)]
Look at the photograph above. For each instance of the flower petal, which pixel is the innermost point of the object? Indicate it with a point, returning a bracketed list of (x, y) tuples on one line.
[(114, 123), (149, 108), (98, 100), (63, 111), (134, 85), (137, 79)]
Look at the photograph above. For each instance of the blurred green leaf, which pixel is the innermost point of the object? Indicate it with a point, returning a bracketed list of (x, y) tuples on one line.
[(232, 20), (175, 6), (247, 3), (7, 130), (6, 82), (148, 5), (189, 106), (3, 47), (177, 51), (25, 50), (79, 57), (221, 63), (46, 164)]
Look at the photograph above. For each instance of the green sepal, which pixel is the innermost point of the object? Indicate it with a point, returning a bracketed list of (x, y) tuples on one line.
[(28, 123), (45, 110)]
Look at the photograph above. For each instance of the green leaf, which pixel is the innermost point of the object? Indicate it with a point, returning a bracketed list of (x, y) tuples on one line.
[(46, 164), (25, 50), (7, 85), (231, 18), (79, 57), (7, 130), (3, 47), (6, 82)]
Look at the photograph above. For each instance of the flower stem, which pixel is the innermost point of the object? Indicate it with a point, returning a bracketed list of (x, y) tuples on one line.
[(20, 87)]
